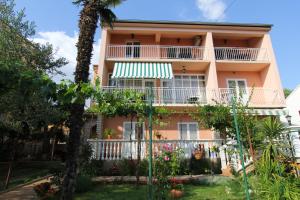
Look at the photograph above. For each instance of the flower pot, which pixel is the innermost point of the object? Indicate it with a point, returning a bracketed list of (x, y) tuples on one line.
[(109, 137), (176, 194)]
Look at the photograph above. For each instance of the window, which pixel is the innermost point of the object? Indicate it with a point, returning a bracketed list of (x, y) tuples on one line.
[(186, 89), (130, 83), (128, 149), (127, 130), (132, 49), (188, 131), (237, 88), (189, 81)]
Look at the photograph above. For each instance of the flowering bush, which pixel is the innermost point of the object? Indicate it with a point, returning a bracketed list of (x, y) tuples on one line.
[(44, 190), (166, 166)]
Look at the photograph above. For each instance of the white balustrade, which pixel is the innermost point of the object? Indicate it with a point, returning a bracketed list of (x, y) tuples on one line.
[(252, 96), (119, 149), (155, 52), (241, 54)]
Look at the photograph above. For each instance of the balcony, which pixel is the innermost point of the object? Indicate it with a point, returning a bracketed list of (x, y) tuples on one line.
[(254, 97), (241, 54), (172, 96), (154, 52)]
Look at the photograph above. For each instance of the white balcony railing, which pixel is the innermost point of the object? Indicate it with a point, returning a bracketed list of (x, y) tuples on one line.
[(241, 54), (255, 97), (173, 95), (155, 52), (119, 149)]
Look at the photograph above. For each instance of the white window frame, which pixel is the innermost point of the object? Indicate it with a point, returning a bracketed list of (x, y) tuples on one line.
[(124, 79), (188, 131), (132, 41), (236, 79), (245, 96), (133, 126), (173, 79)]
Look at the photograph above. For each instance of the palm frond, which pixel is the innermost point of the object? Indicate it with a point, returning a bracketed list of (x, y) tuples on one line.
[(107, 17)]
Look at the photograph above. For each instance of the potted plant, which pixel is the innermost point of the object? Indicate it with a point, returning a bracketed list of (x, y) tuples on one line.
[(177, 189), (108, 133), (157, 135), (199, 152)]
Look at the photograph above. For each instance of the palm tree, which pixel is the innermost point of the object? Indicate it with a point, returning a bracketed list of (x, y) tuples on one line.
[(272, 128), (92, 11)]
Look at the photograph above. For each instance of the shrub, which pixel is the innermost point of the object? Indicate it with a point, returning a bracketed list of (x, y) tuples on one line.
[(44, 190), (83, 184), (166, 166), (205, 166), (272, 179), (144, 167), (127, 167), (92, 168)]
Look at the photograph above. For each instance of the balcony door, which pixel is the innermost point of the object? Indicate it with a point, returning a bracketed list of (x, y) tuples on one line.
[(132, 50), (188, 131), (184, 89), (238, 88), (130, 130)]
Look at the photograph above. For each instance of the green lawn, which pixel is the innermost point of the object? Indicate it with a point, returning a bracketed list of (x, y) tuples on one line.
[(130, 192), (24, 172)]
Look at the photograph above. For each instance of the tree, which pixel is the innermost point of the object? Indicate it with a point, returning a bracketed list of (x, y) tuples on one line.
[(287, 92), (92, 11), (26, 102), (219, 118)]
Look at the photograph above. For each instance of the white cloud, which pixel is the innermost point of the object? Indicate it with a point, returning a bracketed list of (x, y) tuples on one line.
[(212, 9), (64, 45)]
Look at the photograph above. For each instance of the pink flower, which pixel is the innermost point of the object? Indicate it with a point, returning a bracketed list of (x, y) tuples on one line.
[(167, 147), (166, 158)]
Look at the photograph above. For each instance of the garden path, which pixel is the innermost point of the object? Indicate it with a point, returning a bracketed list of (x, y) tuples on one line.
[(25, 192)]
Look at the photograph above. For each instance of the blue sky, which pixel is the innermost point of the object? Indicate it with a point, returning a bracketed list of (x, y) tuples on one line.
[(56, 22)]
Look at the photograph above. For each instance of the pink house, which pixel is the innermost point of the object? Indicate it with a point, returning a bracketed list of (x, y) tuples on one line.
[(186, 63)]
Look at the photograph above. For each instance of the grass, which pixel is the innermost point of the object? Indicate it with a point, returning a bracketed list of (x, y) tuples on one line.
[(126, 191), (24, 172)]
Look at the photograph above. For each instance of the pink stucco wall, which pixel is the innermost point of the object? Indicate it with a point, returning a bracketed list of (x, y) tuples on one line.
[(168, 131), (253, 79)]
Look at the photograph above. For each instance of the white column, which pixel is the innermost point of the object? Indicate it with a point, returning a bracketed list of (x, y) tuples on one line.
[(223, 157), (294, 135)]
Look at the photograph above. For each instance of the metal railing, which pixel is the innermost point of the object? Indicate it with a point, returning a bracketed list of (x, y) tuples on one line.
[(241, 54), (155, 52), (169, 95), (254, 97)]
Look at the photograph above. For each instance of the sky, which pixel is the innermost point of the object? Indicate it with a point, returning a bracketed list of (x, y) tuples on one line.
[(56, 23)]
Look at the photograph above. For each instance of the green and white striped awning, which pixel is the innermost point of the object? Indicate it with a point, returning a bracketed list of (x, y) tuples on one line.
[(274, 112), (142, 70)]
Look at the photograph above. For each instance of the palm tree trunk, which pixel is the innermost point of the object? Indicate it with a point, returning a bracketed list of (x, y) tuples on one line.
[(87, 25)]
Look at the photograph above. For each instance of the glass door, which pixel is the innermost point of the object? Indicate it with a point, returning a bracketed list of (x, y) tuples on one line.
[(148, 84), (132, 50), (167, 92), (130, 131), (238, 88)]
